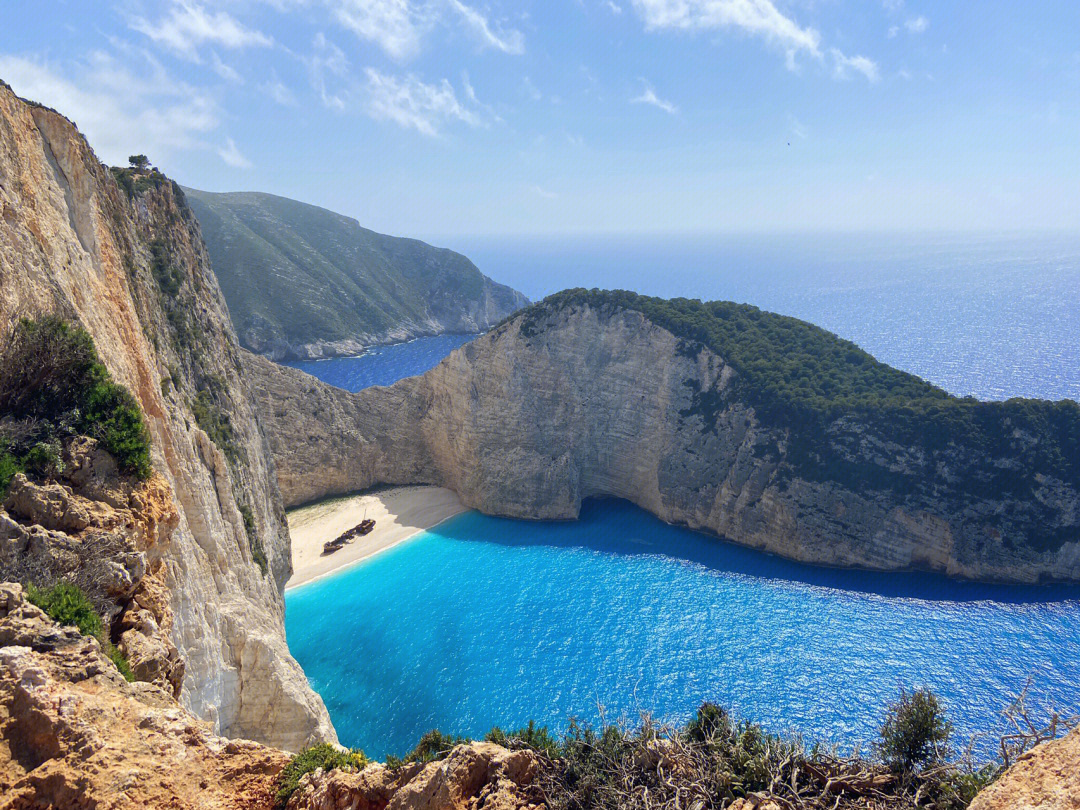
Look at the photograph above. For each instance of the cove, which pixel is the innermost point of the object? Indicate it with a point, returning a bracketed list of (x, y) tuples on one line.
[(485, 621)]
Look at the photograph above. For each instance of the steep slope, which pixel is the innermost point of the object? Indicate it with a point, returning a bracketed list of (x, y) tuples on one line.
[(130, 267), (765, 430), (305, 282)]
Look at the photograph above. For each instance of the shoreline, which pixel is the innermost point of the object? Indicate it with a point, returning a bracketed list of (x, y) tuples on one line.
[(400, 513)]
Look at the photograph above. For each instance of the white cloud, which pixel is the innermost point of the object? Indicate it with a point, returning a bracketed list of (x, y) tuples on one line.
[(916, 25), (279, 93), (399, 26), (120, 112), (797, 128), (512, 41), (393, 25), (758, 17), (893, 31), (412, 104), (753, 17), (648, 96), (326, 60), (227, 72), (188, 25), (232, 156), (844, 65), (547, 195), (613, 6), (531, 89)]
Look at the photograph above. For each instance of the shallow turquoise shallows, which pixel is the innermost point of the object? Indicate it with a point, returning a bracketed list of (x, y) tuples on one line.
[(486, 621)]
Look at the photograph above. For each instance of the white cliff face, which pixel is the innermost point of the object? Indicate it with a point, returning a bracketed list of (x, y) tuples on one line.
[(72, 243), (602, 403)]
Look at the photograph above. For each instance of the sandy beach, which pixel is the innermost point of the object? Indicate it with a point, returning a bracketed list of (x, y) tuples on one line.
[(399, 513)]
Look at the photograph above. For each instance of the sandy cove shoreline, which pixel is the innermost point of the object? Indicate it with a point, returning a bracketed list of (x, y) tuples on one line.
[(399, 513)]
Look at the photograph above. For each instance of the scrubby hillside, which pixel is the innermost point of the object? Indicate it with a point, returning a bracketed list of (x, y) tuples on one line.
[(763, 429), (305, 282)]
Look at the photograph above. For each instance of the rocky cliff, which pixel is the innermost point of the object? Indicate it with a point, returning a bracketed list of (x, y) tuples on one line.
[(588, 395), (304, 282), (128, 264)]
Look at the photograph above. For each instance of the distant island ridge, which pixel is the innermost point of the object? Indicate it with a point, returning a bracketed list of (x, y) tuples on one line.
[(302, 282)]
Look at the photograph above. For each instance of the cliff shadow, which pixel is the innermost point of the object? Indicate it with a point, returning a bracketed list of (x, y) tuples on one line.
[(615, 526)]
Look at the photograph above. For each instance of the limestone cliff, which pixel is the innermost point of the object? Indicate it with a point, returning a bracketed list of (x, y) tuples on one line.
[(129, 266), (578, 399)]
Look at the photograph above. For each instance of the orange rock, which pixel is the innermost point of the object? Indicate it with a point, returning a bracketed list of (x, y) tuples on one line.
[(1045, 778)]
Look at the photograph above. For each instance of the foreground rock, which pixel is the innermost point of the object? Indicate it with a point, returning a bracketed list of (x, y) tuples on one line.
[(1045, 778), (575, 400), (476, 775), (75, 734), (129, 265)]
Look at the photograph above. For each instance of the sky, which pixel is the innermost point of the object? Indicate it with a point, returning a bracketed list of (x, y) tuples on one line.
[(437, 118)]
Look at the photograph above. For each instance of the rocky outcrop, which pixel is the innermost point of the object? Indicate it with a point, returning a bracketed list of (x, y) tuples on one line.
[(75, 734), (107, 534), (129, 266), (1045, 778), (472, 775), (584, 401)]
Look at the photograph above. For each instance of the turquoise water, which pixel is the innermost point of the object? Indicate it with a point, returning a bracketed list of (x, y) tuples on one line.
[(486, 621)]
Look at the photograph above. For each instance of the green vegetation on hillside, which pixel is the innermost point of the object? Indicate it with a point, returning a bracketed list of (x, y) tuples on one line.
[(294, 273), (799, 376), (716, 759), (67, 605), (324, 756), (52, 387)]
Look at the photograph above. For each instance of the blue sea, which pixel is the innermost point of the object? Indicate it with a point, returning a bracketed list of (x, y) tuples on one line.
[(486, 621)]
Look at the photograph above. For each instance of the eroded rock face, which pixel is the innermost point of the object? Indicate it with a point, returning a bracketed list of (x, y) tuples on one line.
[(132, 269), (604, 403), (1045, 778), (75, 734), (473, 775)]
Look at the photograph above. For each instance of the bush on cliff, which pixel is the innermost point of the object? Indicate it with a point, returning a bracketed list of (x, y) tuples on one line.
[(68, 605), (915, 733), (716, 758), (52, 386), (325, 756)]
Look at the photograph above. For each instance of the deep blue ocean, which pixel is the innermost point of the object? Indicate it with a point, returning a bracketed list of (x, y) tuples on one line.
[(486, 621)]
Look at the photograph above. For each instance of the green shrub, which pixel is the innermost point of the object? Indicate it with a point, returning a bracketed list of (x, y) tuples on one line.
[(215, 423), (50, 375), (258, 554), (915, 732), (68, 605), (325, 756), (9, 465), (117, 657), (168, 276), (432, 746), (532, 736), (43, 459)]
